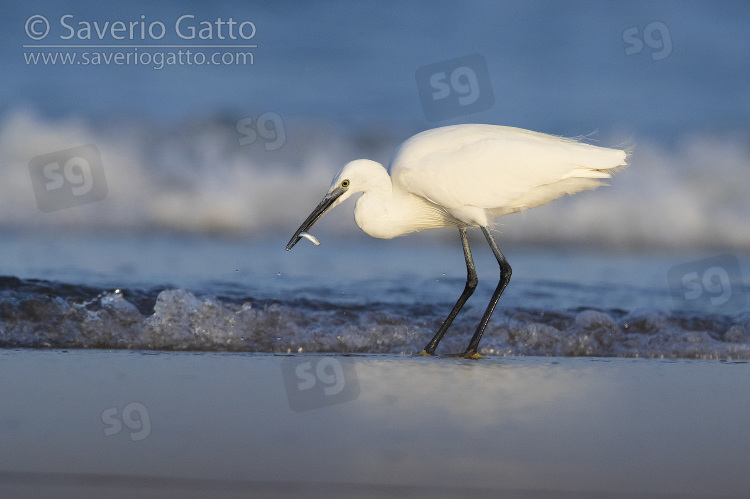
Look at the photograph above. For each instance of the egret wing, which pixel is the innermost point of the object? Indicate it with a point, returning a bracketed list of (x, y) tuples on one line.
[(499, 169)]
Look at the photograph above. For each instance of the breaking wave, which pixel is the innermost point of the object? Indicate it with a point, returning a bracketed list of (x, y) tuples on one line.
[(44, 314), (197, 177)]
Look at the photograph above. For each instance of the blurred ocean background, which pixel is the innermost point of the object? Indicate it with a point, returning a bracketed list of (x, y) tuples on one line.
[(210, 168)]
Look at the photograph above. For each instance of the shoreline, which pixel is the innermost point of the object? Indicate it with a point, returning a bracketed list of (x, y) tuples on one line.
[(236, 424)]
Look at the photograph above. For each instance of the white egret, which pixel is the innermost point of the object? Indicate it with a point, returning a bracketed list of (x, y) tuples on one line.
[(465, 176)]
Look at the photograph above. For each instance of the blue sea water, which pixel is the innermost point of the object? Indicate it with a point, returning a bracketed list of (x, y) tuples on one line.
[(186, 293), (210, 168)]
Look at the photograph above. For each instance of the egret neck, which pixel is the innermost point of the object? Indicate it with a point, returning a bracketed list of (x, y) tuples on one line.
[(379, 211)]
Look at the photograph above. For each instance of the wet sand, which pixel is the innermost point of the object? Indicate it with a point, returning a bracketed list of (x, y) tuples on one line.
[(161, 424)]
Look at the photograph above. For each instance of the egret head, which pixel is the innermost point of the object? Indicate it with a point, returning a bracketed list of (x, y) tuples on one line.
[(354, 177)]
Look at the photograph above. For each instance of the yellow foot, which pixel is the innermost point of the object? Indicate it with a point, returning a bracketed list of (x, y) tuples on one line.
[(472, 356), (424, 354)]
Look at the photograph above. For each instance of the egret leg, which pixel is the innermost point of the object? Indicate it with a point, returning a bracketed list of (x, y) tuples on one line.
[(505, 273), (471, 285)]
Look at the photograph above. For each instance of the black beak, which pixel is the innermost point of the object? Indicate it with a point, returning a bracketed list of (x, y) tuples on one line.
[(318, 212)]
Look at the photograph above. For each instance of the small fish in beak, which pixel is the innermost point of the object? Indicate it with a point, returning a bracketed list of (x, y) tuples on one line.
[(328, 201), (310, 238)]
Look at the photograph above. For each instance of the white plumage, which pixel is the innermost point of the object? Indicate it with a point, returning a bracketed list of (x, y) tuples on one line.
[(468, 175), (465, 176)]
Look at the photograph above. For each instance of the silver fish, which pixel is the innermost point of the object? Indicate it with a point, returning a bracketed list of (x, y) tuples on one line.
[(310, 238)]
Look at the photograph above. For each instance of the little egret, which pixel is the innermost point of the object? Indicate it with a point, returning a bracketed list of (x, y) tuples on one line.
[(465, 176)]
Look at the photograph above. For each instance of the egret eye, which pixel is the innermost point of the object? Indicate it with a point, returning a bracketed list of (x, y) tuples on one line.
[(344, 184)]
